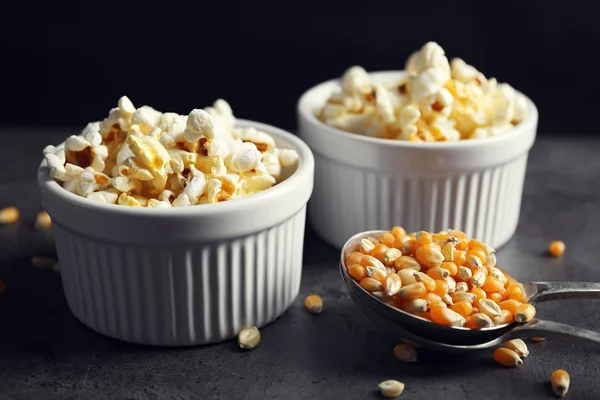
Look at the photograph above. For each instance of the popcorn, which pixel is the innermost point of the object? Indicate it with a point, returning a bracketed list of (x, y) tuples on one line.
[(437, 100), (144, 158)]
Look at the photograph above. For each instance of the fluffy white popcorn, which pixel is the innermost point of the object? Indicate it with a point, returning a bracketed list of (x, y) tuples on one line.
[(435, 101), (144, 158)]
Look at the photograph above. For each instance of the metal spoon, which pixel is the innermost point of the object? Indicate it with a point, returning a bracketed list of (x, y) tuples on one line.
[(424, 333)]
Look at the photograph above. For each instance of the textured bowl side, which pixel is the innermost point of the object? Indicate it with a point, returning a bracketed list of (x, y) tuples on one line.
[(485, 204), (192, 294)]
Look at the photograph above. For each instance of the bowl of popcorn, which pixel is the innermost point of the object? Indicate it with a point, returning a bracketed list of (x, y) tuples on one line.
[(434, 145), (178, 229)]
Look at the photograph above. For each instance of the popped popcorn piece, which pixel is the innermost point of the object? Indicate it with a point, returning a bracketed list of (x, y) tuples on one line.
[(437, 100), (140, 157)]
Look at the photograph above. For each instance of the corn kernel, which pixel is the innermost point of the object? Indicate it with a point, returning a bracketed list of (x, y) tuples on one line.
[(411, 292), (492, 284), (371, 261), (391, 255), (393, 283), (378, 251), (376, 273), (406, 262), (525, 312), (357, 271), (480, 295), (398, 232), (537, 339), (464, 273), (424, 238), (510, 305), (479, 253), (249, 338), (447, 317), (560, 382), (441, 288), (490, 308), (387, 239), (515, 293), (428, 281), (460, 257), (314, 304), (518, 346), (428, 256), (496, 297), (43, 221), (464, 308), (556, 248), (478, 279), (507, 357), (391, 389), (473, 262), (407, 276), (366, 246), (409, 247), (451, 267), (405, 352), (462, 287), (451, 284), (9, 215), (463, 296), (354, 258), (433, 299), (505, 318), (498, 274), (416, 305), (447, 299), (371, 285), (479, 320)]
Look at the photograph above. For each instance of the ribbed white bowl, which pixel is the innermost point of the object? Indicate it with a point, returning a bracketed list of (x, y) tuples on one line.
[(364, 183), (183, 276)]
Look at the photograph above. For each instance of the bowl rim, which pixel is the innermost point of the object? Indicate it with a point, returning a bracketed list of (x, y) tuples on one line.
[(306, 107), (305, 166)]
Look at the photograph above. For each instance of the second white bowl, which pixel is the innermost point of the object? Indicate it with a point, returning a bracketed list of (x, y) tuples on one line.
[(364, 183)]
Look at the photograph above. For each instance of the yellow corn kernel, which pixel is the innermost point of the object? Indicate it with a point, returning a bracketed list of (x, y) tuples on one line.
[(393, 283), (498, 274), (505, 318), (438, 273), (496, 297), (518, 346), (447, 299), (9, 215), (510, 305), (377, 273), (447, 317), (441, 287), (451, 267), (492, 284), (407, 276), (416, 306), (474, 243), (464, 273), (457, 233), (464, 308), (391, 255), (560, 382), (2, 287), (314, 304), (428, 256), (463, 296), (451, 284), (357, 271), (556, 248), (490, 308), (433, 299), (479, 320), (371, 285), (354, 258), (537, 339), (378, 251), (411, 292), (515, 292), (525, 312), (366, 246), (405, 352), (391, 389), (409, 247), (398, 232), (371, 261), (478, 279), (479, 253), (462, 287), (476, 311), (249, 338), (428, 281), (460, 257), (406, 262), (507, 357), (473, 262), (387, 239), (43, 221), (480, 295), (424, 238)]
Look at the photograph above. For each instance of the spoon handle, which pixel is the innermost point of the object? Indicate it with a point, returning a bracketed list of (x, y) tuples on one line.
[(566, 290), (556, 330)]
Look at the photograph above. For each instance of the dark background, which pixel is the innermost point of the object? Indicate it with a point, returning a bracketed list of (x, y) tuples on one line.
[(67, 62)]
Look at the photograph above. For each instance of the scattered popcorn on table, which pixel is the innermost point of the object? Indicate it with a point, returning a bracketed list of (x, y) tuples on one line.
[(438, 100), (145, 158)]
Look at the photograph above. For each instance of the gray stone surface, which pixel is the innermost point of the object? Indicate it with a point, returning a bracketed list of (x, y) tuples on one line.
[(45, 353)]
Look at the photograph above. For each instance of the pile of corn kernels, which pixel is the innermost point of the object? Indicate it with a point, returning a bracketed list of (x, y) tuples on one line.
[(437, 100), (144, 158), (443, 277)]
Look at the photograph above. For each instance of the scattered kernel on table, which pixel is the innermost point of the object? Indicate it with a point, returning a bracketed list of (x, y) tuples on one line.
[(560, 382), (249, 338), (537, 339), (405, 352), (556, 248), (9, 215), (518, 346), (507, 357), (391, 389), (314, 304), (444, 277), (42, 221)]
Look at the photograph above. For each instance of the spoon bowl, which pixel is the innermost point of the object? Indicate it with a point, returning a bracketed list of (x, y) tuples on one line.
[(424, 333)]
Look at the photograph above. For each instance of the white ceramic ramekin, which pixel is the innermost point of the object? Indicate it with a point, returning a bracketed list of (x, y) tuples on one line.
[(364, 183), (183, 276)]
